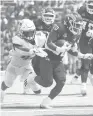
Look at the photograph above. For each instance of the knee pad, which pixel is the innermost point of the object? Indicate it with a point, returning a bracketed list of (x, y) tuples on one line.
[(3, 86)]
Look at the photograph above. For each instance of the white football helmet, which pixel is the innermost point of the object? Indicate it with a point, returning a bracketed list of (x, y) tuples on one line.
[(28, 28), (89, 6), (48, 16)]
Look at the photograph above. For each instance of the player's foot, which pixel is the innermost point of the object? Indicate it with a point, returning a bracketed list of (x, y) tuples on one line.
[(46, 103), (33, 85), (45, 107), (74, 79), (83, 89), (25, 91), (2, 96)]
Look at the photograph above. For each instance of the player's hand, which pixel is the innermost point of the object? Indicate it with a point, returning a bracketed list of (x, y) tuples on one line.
[(64, 48), (40, 52), (88, 56)]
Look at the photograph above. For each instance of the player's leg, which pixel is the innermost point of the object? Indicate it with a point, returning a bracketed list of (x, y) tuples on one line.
[(43, 71), (91, 72), (29, 82), (78, 72), (84, 75), (10, 76), (60, 78), (45, 78)]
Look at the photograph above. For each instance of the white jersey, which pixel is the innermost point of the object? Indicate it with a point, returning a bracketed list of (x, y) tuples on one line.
[(40, 39), (17, 54)]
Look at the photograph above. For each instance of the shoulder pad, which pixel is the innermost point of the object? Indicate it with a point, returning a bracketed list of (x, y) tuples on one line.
[(55, 27), (17, 40)]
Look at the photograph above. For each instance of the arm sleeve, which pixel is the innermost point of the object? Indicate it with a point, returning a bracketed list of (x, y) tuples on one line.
[(16, 40), (51, 39), (17, 43)]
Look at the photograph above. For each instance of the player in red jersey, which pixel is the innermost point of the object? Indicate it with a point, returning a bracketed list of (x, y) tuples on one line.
[(61, 39), (67, 32), (86, 12)]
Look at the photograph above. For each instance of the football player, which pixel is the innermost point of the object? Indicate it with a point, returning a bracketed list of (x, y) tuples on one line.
[(24, 49), (43, 28), (86, 12), (61, 39)]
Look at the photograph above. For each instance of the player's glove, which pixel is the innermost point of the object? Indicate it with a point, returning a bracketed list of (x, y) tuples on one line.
[(85, 56), (40, 52), (64, 48), (88, 56)]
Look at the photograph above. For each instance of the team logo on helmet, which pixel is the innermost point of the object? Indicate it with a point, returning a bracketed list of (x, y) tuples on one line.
[(48, 16)]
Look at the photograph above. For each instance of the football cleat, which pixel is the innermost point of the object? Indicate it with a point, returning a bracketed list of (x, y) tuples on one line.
[(46, 103), (33, 85), (45, 107), (74, 79)]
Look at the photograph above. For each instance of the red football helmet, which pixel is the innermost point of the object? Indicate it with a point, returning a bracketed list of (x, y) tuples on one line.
[(74, 23), (89, 6), (48, 16)]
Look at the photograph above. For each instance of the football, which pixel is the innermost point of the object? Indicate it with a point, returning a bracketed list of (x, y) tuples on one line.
[(60, 43)]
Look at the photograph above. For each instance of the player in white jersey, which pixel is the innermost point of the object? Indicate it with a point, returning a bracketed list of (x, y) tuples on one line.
[(40, 39), (24, 49)]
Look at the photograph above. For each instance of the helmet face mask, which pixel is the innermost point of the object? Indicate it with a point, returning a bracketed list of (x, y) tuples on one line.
[(74, 24), (89, 6), (48, 16), (29, 35), (76, 27)]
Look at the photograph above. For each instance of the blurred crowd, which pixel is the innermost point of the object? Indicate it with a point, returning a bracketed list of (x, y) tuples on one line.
[(13, 12)]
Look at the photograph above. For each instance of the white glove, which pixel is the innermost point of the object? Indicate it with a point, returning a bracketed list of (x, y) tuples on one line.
[(85, 56), (64, 48), (40, 52), (32, 53), (88, 56)]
